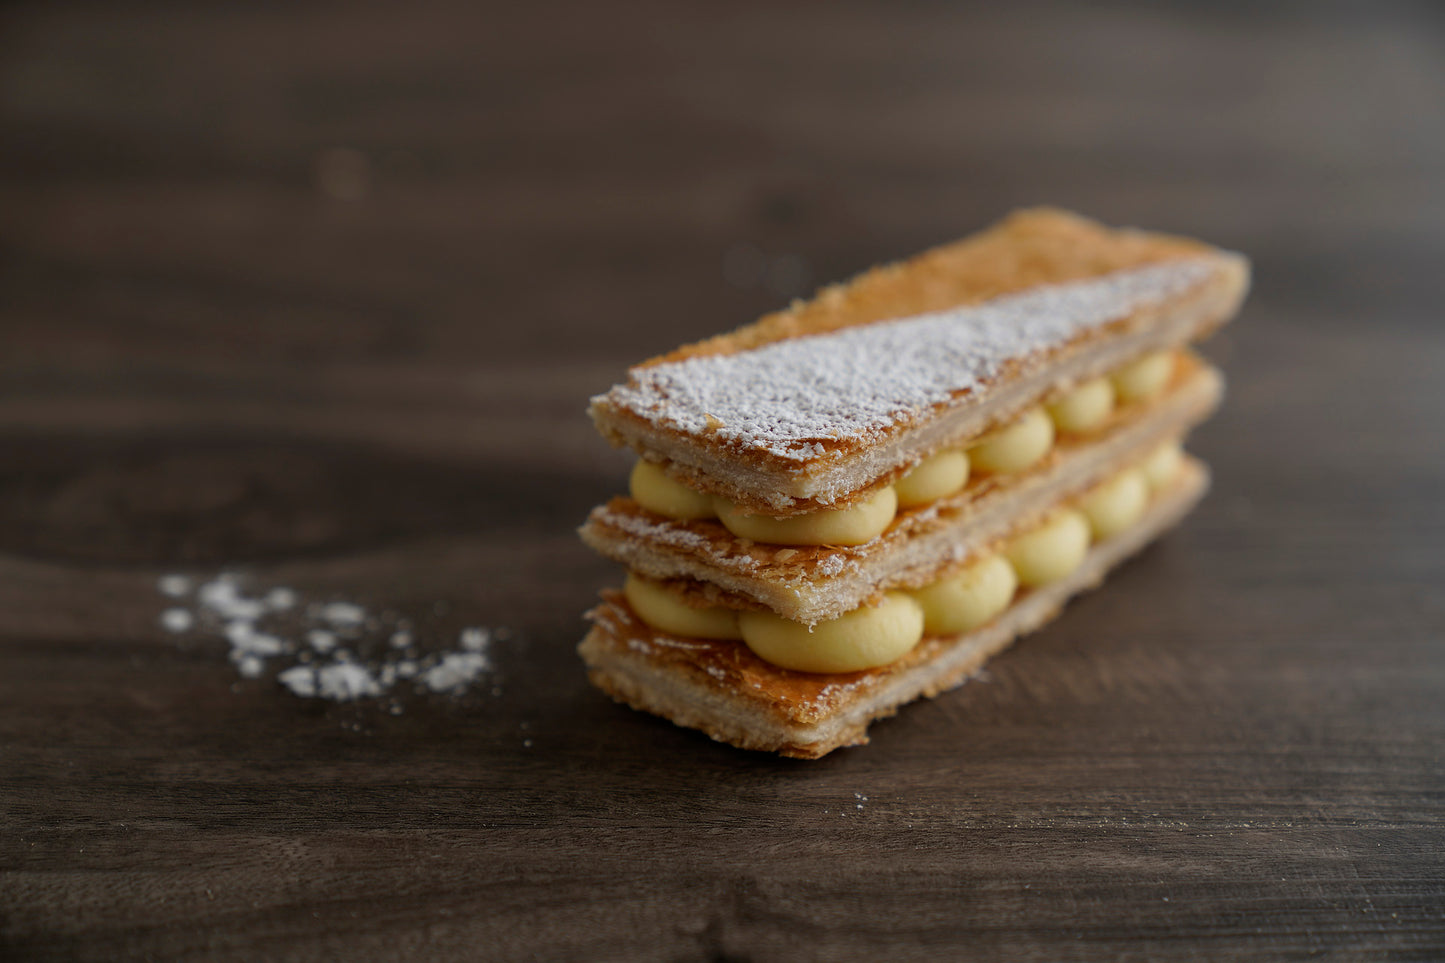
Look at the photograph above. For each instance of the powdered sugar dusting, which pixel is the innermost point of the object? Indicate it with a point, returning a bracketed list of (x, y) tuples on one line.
[(662, 531), (790, 398), (455, 671), (177, 620), (334, 650)]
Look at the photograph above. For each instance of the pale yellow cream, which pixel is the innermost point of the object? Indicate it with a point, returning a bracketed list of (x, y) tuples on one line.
[(937, 476), (1051, 551), (854, 525), (664, 609), (865, 638), (1116, 504), (1144, 377), (1161, 466), (1016, 447), (1084, 408), (656, 492), (965, 600)]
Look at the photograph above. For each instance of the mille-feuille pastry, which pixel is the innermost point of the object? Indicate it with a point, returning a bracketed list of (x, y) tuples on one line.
[(858, 500)]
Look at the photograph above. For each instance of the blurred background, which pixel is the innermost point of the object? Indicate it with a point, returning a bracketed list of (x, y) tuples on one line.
[(292, 281)]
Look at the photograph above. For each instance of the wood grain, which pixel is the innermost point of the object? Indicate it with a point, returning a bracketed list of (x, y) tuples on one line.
[(319, 292)]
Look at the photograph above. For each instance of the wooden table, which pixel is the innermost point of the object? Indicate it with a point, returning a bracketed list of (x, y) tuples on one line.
[(317, 293)]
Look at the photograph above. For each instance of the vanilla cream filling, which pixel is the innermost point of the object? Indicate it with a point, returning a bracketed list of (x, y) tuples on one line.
[(860, 522), (1083, 408), (1051, 551), (876, 635), (665, 609), (1008, 450), (1143, 378), (1161, 466), (937, 476), (1013, 448), (655, 491), (865, 638), (1116, 504), (965, 600)]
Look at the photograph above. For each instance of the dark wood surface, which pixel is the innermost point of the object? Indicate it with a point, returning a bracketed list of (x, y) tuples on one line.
[(317, 292)]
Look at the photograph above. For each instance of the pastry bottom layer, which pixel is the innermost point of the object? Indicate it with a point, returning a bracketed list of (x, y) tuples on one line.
[(723, 689)]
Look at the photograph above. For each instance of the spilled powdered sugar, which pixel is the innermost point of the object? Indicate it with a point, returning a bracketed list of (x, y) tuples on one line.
[(789, 397), (334, 650)]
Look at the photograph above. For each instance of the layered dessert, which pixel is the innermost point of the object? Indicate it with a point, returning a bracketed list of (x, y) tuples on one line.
[(858, 500)]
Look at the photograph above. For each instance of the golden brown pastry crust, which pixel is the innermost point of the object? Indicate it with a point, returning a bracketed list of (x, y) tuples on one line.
[(1029, 247)]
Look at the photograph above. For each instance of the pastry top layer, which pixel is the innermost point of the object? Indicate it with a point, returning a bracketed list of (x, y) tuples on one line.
[(889, 352), (1041, 245)]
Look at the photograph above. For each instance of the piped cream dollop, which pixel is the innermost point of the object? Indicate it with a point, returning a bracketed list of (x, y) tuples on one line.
[(860, 522), (656, 492), (865, 638), (1116, 504), (1015, 447), (937, 476), (1144, 377), (664, 609), (1051, 551), (1084, 408), (967, 599), (1161, 466)]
